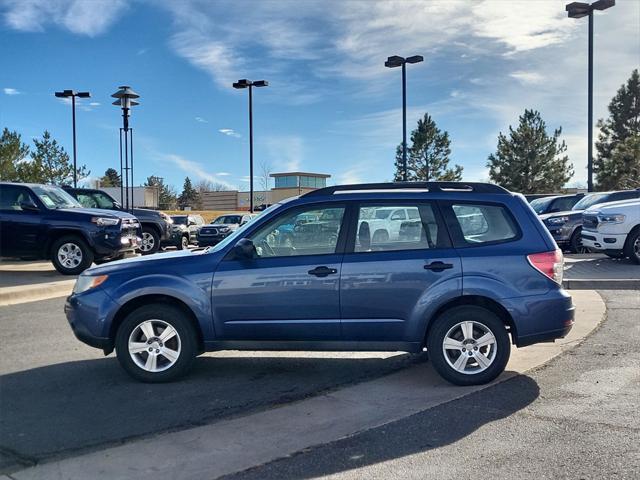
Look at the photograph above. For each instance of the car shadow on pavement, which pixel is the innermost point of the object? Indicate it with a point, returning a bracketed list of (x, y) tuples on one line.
[(67, 408), (428, 430)]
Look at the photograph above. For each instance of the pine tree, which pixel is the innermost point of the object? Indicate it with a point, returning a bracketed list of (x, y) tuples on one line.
[(617, 162), (428, 155), (530, 160), (12, 153), (189, 195), (166, 193), (50, 164), (110, 178)]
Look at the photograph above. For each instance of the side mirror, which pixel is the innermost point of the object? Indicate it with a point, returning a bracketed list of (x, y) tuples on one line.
[(29, 206), (244, 249), (117, 205)]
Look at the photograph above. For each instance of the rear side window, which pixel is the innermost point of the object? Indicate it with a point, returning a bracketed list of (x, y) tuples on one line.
[(481, 223)]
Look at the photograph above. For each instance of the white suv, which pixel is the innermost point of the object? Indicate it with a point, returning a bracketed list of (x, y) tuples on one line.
[(613, 228)]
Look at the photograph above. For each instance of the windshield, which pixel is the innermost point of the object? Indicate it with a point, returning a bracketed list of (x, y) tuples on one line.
[(239, 233), (54, 197), (590, 200), (382, 214), (227, 219), (181, 220), (96, 200), (540, 205)]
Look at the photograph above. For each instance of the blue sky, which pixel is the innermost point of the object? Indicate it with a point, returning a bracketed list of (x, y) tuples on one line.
[(331, 106)]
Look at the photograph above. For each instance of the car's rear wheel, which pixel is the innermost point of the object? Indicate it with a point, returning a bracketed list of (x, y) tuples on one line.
[(380, 236), (150, 241), (156, 343), (71, 255), (468, 345), (632, 245)]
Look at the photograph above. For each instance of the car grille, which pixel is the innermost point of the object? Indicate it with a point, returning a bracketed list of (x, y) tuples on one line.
[(209, 231), (590, 222), (129, 226)]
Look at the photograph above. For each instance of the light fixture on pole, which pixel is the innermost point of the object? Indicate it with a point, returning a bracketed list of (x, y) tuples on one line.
[(125, 101), (397, 61), (244, 83), (579, 10), (73, 94)]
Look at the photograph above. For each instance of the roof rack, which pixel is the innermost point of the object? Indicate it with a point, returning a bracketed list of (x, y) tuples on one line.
[(474, 187)]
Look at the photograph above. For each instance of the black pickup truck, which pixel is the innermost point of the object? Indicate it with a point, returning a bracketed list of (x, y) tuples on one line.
[(156, 226), (45, 222)]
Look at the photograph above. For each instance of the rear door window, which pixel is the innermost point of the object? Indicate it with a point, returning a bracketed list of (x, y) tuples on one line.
[(484, 223)]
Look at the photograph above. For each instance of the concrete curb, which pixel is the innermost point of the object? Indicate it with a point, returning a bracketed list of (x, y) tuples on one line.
[(602, 284), (35, 292), (240, 443)]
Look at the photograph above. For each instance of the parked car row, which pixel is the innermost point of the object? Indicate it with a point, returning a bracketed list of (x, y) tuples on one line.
[(568, 216), (75, 227)]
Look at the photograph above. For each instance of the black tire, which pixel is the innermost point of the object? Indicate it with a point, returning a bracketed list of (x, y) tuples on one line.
[(186, 339), (632, 245), (71, 266), (380, 236), (183, 243), (150, 241), (615, 255), (576, 242), (450, 318)]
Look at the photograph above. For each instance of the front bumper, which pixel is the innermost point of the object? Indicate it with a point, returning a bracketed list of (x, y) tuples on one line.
[(88, 314), (210, 240), (603, 241)]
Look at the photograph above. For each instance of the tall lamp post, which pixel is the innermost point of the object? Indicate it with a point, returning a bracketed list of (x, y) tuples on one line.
[(392, 62), (579, 10), (244, 83), (73, 94), (124, 99)]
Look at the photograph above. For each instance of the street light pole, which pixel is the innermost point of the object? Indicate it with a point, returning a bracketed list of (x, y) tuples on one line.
[(73, 94), (244, 83), (125, 100), (579, 10), (397, 61)]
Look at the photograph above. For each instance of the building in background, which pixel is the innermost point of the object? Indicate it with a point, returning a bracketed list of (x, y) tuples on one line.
[(143, 197), (291, 184)]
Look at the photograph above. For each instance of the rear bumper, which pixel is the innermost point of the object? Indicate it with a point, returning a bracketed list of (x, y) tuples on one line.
[(541, 318)]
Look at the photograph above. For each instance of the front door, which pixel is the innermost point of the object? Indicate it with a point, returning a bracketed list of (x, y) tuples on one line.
[(290, 290), (394, 265)]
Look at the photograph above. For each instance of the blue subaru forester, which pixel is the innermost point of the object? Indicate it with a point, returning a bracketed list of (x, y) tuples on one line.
[(461, 269)]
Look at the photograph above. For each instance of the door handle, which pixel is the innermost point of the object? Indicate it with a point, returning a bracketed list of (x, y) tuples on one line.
[(322, 271), (438, 266)]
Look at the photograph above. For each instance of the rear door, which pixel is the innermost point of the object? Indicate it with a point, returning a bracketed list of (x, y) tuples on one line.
[(385, 285), (21, 230)]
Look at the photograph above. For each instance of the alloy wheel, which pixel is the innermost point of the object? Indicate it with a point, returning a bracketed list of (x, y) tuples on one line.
[(70, 255), (469, 347), (154, 345), (148, 242), (636, 247)]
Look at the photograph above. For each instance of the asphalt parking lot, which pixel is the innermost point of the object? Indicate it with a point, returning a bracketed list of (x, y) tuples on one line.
[(60, 398)]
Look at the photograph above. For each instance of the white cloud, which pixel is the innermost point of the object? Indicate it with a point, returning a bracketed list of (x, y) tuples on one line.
[(10, 91), (201, 120), (527, 78), (354, 174), (229, 132), (194, 169), (89, 18), (223, 174), (94, 104), (286, 151)]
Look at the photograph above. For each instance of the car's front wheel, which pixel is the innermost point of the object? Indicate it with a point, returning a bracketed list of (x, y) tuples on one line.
[(156, 343), (632, 245), (71, 255), (468, 345), (150, 241)]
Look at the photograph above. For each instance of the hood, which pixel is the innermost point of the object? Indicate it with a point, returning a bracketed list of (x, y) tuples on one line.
[(145, 212), (97, 212), (621, 204), (141, 261), (232, 226), (568, 213)]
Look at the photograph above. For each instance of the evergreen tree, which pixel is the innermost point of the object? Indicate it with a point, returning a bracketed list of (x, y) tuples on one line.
[(617, 161), (12, 153), (50, 164), (428, 155), (189, 195), (167, 194), (530, 160), (110, 178)]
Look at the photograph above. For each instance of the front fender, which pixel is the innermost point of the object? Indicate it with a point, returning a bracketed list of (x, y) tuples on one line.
[(195, 294)]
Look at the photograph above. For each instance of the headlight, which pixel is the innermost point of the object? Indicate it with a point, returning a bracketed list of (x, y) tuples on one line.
[(612, 218), (87, 282), (224, 229), (557, 220), (104, 222)]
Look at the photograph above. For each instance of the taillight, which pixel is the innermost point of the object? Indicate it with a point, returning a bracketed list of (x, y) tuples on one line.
[(550, 264)]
